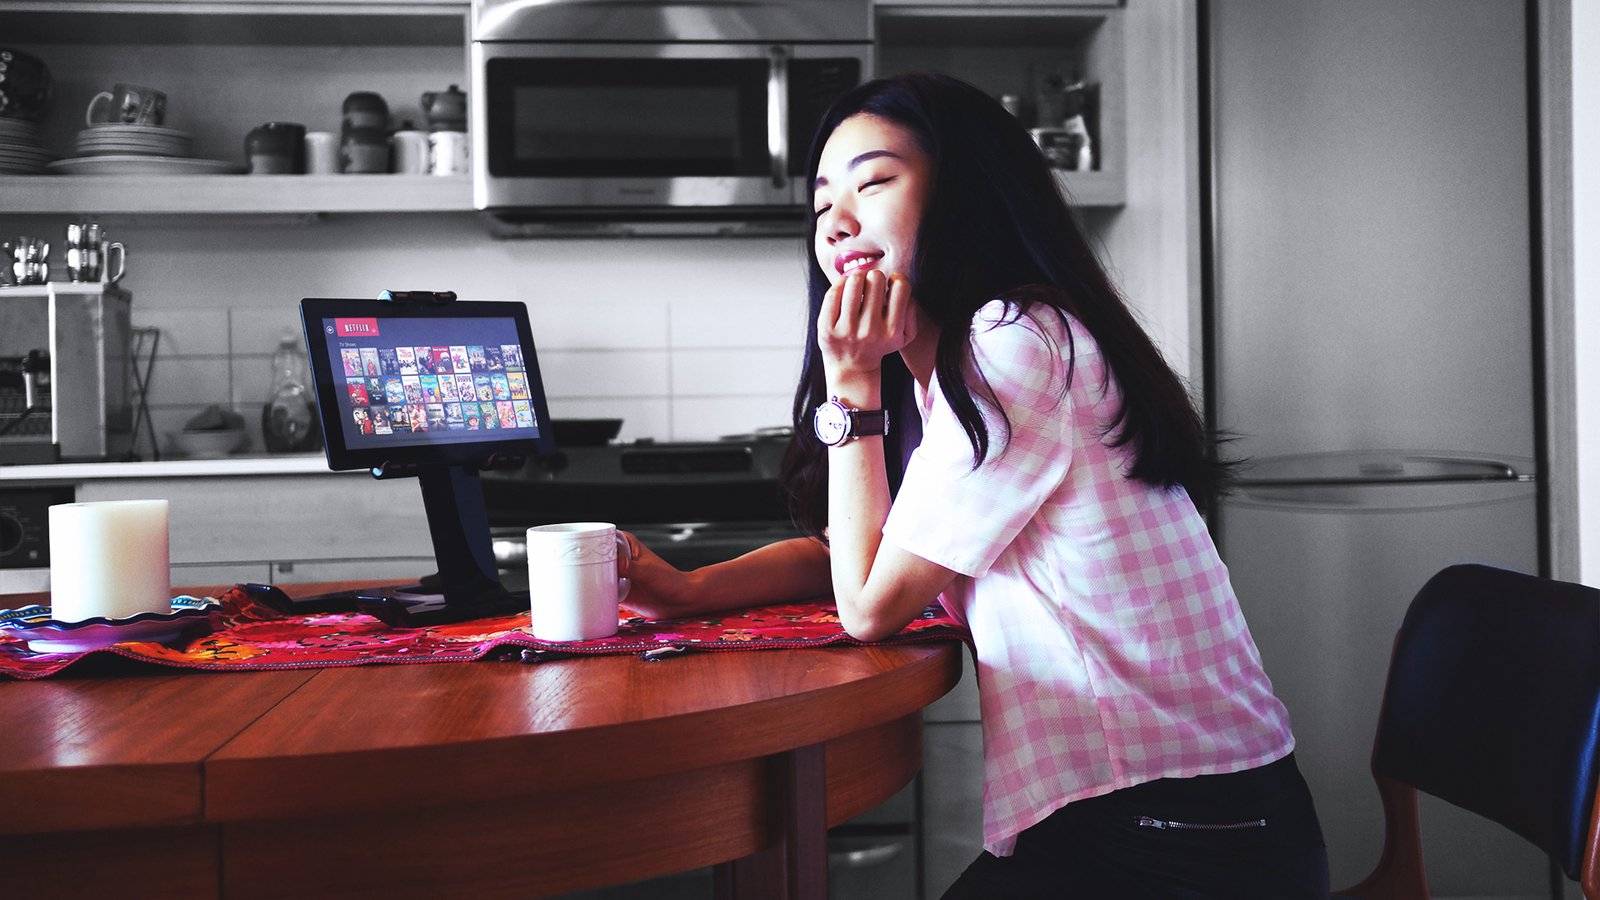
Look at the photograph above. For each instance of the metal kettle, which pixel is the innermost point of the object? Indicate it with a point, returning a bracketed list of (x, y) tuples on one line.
[(446, 110), (26, 261)]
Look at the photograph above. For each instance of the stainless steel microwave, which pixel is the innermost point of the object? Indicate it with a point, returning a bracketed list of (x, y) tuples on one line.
[(649, 115)]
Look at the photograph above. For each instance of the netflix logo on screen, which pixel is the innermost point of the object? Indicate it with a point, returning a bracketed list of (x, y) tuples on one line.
[(355, 327)]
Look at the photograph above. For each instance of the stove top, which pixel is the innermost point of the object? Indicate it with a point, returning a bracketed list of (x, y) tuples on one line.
[(645, 482)]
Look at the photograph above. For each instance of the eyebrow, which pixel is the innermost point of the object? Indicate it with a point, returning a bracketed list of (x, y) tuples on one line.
[(870, 154)]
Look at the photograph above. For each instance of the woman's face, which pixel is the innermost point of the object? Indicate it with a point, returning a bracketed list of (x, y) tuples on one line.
[(872, 184)]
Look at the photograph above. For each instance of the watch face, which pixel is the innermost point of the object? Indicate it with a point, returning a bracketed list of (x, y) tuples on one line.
[(831, 422)]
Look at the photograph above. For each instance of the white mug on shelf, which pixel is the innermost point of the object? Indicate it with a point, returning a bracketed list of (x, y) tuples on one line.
[(322, 153), (448, 153), (408, 152), (573, 587)]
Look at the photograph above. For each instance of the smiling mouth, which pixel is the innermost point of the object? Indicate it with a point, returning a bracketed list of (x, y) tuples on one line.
[(856, 262)]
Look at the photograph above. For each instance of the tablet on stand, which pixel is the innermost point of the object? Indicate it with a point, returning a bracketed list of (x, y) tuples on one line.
[(420, 384)]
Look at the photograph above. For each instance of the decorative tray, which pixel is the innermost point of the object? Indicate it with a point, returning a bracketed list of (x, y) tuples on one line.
[(46, 635)]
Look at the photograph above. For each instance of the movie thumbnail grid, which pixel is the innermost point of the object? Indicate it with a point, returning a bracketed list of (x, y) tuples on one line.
[(473, 387)]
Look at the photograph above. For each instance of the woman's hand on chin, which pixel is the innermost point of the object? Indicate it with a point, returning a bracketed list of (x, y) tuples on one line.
[(864, 318)]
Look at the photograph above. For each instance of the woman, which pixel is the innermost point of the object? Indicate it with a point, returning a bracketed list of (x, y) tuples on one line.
[(1132, 743)]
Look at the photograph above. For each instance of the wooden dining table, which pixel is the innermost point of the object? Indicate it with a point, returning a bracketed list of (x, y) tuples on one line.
[(461, 779)]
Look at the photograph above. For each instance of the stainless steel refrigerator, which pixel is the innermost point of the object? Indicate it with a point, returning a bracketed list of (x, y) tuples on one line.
[(1371, 318)]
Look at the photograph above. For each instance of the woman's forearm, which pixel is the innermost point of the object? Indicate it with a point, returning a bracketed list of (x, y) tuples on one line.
[(858, 504), (796, 569)]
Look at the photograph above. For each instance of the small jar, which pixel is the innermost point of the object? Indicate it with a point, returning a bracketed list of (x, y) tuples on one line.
[(276, 148)]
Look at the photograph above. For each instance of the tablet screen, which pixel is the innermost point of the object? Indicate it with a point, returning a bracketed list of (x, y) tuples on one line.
[(451, 383)]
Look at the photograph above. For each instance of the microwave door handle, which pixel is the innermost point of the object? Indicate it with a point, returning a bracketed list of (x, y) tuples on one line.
[(778, 114)]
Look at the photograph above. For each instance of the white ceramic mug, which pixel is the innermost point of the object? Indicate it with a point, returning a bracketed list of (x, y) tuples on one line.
[(322, 153), (573, 586), (408, 152), (448, 153)]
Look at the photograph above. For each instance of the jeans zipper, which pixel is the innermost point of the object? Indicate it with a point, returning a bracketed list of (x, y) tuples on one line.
[(1148, 822)]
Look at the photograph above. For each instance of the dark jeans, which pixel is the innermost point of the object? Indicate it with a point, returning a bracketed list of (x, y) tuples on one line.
[(1264, 843)]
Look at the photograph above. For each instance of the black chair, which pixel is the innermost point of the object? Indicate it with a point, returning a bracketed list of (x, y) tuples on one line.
[(1493, 705)]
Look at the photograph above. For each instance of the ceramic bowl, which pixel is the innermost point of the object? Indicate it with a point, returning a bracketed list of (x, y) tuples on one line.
[(24, 85), (209, 444)]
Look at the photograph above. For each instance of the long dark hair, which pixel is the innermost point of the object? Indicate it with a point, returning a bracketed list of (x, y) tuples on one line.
[(995, 226)]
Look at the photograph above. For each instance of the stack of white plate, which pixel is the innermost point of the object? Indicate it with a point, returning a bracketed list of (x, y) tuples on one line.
[(20, 150), (116, 139), (117, 149)]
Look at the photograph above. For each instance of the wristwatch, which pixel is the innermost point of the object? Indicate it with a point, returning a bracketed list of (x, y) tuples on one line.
[(837, 424)]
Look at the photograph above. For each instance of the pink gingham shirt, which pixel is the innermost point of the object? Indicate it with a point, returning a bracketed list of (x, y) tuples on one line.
[(1111, 650)]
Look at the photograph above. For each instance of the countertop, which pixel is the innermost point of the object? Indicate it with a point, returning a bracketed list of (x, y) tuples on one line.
[(261, 464)]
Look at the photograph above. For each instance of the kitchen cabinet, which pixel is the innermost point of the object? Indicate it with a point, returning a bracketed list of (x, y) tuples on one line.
[(262, 61), (291, 61), (1013, 49), (952, 777), (1141, 206)]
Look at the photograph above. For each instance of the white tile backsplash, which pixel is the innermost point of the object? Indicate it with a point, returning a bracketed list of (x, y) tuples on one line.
[(258, 329), (708, 418), (198, 381), (738, 321), (185, 332), (598, 323), (252, 379), (598, 374), (734, 372), (682, 338)]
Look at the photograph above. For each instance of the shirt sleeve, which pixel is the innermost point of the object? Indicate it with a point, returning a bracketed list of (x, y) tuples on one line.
[(963, 518)]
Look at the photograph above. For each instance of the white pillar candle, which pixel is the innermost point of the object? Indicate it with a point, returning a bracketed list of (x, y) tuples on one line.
[(109, 559)]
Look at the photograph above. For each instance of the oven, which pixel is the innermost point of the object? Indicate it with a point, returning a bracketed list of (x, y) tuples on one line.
[(697, 503), (25, 533), (694, 503), (654, 113)]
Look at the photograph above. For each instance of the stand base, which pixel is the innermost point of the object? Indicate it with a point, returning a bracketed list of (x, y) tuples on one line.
[(416, 605)]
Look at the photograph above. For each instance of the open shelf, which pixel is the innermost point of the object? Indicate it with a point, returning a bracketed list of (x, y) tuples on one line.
[(106, 194), (997, 47), (1004, 49), (340, 23)]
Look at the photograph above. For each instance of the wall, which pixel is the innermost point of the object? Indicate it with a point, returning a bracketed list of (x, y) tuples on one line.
[(1586, 277), (682, 338)]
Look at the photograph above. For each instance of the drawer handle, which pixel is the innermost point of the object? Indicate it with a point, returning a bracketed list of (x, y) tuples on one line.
[(864, 858)]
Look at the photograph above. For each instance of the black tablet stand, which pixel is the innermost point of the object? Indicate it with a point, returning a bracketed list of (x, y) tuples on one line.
[(467, 585)]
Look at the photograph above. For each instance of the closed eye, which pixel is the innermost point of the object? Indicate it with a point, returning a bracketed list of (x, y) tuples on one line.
[(875, 182)]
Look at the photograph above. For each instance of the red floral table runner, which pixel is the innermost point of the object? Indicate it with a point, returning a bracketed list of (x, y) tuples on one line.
[(246, 635)]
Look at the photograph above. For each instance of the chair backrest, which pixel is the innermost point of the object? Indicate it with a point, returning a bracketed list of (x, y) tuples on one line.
[(1493, 703)]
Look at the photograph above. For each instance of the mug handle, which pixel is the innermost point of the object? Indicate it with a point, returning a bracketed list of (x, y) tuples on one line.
[(88, 114), (624, 584), (122, 261)]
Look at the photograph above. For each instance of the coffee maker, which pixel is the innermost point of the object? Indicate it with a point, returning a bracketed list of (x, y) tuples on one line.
[(65, 372)]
